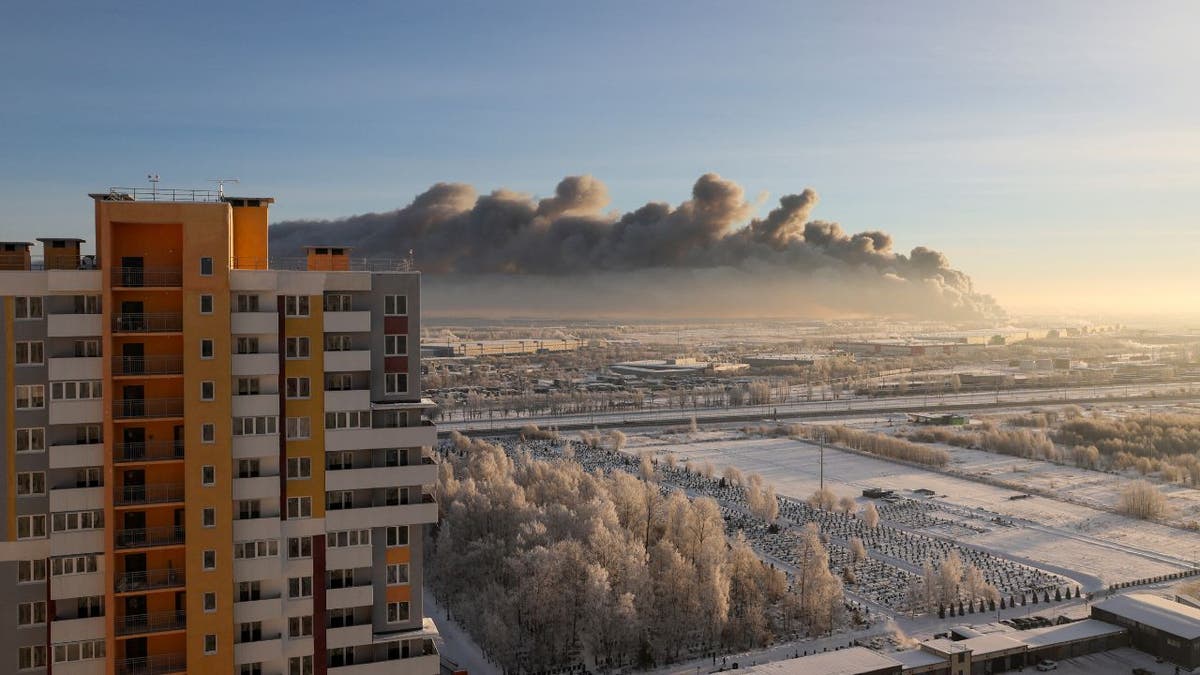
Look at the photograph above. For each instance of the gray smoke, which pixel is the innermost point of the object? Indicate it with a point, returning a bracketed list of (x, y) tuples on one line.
[(569, 241)]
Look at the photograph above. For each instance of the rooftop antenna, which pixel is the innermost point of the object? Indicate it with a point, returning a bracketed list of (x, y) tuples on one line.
[(221, 185), (153, 178)]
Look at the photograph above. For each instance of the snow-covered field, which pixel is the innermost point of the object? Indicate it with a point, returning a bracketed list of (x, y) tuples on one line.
[(1056, 535)]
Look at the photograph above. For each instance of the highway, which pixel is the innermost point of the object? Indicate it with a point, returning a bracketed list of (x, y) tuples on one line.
[(1163, 392)]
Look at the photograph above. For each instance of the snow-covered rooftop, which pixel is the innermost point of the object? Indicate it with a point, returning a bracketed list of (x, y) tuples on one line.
[(1067, 632), (1165, 615), (851, 661), (916, 658), (979, 646)]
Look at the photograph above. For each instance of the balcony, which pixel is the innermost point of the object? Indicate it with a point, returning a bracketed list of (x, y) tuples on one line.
[(78, 411), (254, 323), (421, 436), (268, 647), (159, 664), (147, 277), (79, 628), (257, 487), (424, 473), (255, 364), (347, 322), (148, 580), (251, 529), (263, 609), (352, 596), (346, 399), (151, 451), (155, 622), (159, 322), (382, 515), (143, 495), (76, 499), (74, 368), (423, 662), (255, 405), (147, 408), (76, 455), (74, 325), (156, 364), (347, 361), (149, 537), (259, 445), (71, 586)]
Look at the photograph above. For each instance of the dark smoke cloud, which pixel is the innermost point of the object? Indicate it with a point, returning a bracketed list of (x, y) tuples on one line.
[(569, 240)]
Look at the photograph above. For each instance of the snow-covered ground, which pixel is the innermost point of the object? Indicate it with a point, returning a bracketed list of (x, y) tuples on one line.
[(1053, 534)]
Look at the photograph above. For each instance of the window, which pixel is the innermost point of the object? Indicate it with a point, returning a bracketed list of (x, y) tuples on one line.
[(247, 386), (206, 348), (208, 475), (208, 516), (28, 308), (300, 665), (31, 396), (249, 508), (397, 574), (338, 302), (208, 433), (86, 434), (339, 381), (210, 559), (210, 602), (30, 353), (249, 591), (298, 387), (70, 391), (300, 587), (337, 343), (210, 640), (397, 535), (350, 419), (338, 500), (261, 548), (79, 651), (250, 669), (248, 468), (206, 304), (31, 483), (251, 631), (341, 656), (395, 345), (395, 496), (31, 527), (206, 270), (296, 348), (29, 571), (87, 563), (88, 477), (29, 613), (71, 521), (299, 467), (299, 507), (300, 626), (208, 390), (395, 305), (348, 538), (247, 303), (298, 428), (255, 426), (337, 461), (295, 305), (397, 611), (84, 348), (35, 657), (300, 547), (395, 383), (245, 345), (86, 304), (340, 578), (32, 439), (89, 606)]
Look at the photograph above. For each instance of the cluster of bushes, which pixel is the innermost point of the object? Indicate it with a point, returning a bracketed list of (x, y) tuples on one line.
[(880, 444)]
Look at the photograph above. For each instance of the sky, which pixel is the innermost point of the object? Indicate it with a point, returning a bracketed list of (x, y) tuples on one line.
[(1050, 149)]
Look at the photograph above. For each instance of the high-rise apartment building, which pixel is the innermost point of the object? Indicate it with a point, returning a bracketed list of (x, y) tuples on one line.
[(213, 459)]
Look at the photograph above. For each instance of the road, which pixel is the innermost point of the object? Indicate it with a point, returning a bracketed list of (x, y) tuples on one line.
[(859, 405)]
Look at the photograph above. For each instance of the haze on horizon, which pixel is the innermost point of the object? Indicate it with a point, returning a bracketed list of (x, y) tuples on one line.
[(1049, 153)]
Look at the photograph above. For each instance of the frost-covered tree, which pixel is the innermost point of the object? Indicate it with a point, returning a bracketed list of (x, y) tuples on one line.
[(870, 515)]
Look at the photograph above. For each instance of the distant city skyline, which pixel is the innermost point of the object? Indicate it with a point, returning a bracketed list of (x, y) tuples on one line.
[(1049, 151)]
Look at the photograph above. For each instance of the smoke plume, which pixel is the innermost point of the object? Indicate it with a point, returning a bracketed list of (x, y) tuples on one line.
[(567, 252)]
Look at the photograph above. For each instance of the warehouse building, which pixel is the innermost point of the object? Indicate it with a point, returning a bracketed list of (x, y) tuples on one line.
[(1157, 626)]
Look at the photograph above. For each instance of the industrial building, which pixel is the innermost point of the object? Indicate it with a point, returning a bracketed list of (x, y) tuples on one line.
[(1156, 625), (512, 347), (903, 347), (214, 457)]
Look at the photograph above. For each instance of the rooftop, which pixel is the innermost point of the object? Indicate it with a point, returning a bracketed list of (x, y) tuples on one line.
[(1166, 615), (1068, 632), (168, 194), (851, 661)]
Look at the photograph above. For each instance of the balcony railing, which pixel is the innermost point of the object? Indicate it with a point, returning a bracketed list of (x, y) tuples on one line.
[(148, 322), (130, 582), (141, 277), (163, 493), (147, 407), (155, 622), (159, 664), (147, 537), (158, 364), (338, 265), (150, 451)]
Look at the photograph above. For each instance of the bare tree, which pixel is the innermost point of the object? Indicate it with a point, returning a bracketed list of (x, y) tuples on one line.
[(870, 515), (1141, 499)]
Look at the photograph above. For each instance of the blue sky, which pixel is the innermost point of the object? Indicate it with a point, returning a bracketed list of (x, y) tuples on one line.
[(1040, 145)]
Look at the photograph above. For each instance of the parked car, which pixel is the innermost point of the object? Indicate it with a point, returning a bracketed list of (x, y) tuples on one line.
[(1047, 664)]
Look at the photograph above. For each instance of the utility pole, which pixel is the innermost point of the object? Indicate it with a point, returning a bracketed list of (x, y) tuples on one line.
[(821, 440)]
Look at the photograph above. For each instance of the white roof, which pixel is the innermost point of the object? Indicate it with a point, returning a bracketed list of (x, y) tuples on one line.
[(851, 661), (1165, 615), (1067, 632), (916, 658), (988, 644)]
